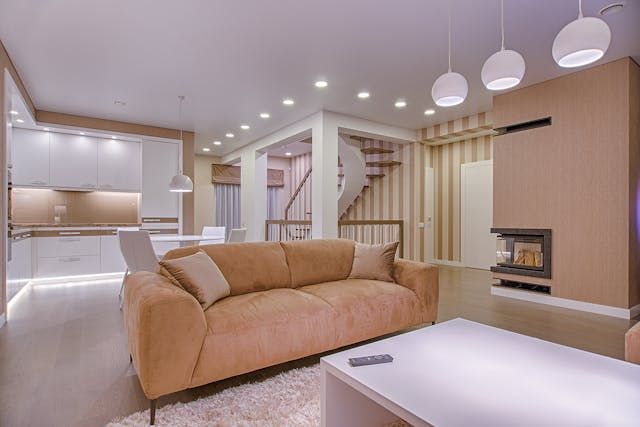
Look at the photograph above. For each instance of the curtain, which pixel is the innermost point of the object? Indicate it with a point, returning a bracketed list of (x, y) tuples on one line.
[(227, 197)]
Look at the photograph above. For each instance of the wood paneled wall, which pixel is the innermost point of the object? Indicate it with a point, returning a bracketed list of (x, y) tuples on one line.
[(575, 178)]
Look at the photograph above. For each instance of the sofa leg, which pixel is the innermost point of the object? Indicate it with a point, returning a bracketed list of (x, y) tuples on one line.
[(130, 358), (152, 412)]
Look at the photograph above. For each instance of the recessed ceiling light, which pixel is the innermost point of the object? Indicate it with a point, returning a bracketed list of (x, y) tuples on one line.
[(46, 129), (19, 121), (119, 103), (217, 143), (429, 112), (287, 153), (364, 95), (288, 101), (206, 149), (13, 112), (321, 83), (400, 103), (245, 127), (264, 115), (229, 135), (612, 8)]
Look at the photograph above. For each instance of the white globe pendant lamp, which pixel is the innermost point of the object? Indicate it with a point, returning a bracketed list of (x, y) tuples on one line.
[(450, 88), (181, 183), (581, 42), (505, 68)]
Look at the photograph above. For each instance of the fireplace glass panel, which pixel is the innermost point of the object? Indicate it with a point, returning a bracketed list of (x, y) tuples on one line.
[(520, 251)]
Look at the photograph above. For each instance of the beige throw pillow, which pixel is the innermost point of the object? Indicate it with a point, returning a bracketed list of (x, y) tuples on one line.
[(374, 262), (200, 276)]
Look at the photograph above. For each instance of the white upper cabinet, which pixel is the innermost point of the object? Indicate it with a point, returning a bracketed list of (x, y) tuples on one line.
[(30, 157), (160, 162), (74, 161), (118, 165)]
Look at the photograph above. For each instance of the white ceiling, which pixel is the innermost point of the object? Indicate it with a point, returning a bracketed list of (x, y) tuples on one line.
[(235, 59)]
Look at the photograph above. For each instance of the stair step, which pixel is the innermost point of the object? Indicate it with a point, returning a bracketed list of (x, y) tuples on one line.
[(375, 175), (376, 150), (383, 163)]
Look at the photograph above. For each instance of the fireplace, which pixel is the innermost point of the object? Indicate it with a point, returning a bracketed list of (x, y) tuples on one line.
[(523, 251)]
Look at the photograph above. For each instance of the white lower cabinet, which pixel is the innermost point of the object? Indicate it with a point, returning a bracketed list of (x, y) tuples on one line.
[(74, 265), (111, 260), (67, 254)]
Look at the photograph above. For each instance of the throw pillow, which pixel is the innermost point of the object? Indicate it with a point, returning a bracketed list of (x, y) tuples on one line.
[(200, 276), (374, 262)]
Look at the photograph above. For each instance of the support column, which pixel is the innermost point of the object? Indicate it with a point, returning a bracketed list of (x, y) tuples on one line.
[(253, 189), (324, 177)]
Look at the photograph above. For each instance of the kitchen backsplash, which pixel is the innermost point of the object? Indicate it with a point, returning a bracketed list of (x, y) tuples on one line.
[(31, 205)]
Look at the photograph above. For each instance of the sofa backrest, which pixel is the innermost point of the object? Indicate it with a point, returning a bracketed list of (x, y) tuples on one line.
[(317, 261), (248, 267)]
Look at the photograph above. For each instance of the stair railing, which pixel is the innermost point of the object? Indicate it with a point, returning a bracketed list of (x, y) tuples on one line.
[(297, 206)]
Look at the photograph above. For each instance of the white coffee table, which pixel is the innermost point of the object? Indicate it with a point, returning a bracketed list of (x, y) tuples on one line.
[(462, 373)]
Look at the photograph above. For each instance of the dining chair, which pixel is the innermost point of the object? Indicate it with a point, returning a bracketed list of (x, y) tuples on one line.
[(215, 233), (137, 252), (237, 235)]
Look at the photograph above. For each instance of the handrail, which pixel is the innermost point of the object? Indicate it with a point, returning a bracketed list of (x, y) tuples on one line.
[(295, 193)]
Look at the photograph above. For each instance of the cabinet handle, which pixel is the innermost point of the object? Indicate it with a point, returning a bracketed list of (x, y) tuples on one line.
[(88, 185), (154, 231), (69, 259), (106, 186), (151, 220), (68, 233), (37, 182), (69, 240)]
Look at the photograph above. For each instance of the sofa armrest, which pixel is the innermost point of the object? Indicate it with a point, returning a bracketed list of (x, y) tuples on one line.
[(632, 344), (166, 327), (422, 279)]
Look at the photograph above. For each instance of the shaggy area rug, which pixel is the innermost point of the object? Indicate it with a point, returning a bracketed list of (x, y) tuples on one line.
[(288, 399)]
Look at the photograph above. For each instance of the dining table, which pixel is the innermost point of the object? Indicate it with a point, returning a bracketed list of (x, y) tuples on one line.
[(186, 239)]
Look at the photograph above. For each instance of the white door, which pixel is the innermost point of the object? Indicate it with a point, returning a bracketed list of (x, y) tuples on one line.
[(476, 202), (160, 162), (429, 212), (74, 161), (30, 157), (118, 165)]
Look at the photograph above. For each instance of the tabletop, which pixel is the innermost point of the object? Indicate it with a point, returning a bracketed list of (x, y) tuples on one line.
[(186, 238)]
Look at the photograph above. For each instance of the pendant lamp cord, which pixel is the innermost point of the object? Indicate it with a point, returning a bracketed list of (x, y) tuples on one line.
[(449, 35), (181, 98), (502, 20), (580, 15)]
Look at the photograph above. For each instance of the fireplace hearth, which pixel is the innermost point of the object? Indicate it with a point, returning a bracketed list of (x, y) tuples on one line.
[(523, 251)]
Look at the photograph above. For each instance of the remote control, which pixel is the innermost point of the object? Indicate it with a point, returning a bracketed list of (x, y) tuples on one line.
[(370, 360)]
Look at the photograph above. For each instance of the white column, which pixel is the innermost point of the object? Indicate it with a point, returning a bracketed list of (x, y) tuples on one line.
[(253, 188), (324, 177)]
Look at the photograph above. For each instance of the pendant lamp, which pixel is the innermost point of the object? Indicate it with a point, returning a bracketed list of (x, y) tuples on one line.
[(450, 88), (505, 68), (181, 183)]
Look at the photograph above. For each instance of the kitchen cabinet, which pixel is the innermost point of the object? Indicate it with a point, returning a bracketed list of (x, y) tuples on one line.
[(160, 162), (118, 165), (30, 157), (19, 269), (74, 161), (111, 260)]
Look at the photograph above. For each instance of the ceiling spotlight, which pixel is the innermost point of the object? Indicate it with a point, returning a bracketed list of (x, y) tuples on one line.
[(287, 153), (288, 101), (229, 135), (581, 42), (400, 103), (612, 8), (245, 127), (119, 103), (264, 115), (321, 83), (429, 112), (217, 143), (19, 121), (13, 112), (364, 95), (207, 149)]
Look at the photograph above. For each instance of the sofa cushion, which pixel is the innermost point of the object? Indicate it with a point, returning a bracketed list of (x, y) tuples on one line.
[(198, 275), (374, 262), (248, 267), (255, 330), (318, 261), (368, 308)]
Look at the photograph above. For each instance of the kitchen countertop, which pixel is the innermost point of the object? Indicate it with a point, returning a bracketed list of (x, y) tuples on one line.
[(71, 225)]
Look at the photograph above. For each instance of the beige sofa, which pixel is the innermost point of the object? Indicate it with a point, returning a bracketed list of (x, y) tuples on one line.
[(632, 344), (288, 300)]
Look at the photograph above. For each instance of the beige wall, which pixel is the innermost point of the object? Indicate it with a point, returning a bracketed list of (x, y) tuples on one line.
[(204, 201), (575, 177), (283, 164)]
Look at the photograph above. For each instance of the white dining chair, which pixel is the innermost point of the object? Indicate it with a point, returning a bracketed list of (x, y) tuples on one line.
[(237, 235), (216, 233), (137, 252)]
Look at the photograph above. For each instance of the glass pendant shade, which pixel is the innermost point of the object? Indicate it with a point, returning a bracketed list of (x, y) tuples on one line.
[(581, 42), (450, 89), (181, 184), (503, 70)]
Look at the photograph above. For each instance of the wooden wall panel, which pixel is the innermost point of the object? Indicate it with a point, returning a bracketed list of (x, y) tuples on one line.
[(572, 177), (634, 183)]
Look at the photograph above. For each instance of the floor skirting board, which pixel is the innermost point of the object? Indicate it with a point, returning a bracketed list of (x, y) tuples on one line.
[(623, 313)]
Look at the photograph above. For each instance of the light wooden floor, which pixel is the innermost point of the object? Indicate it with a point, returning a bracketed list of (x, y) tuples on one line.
[(63, 357)]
